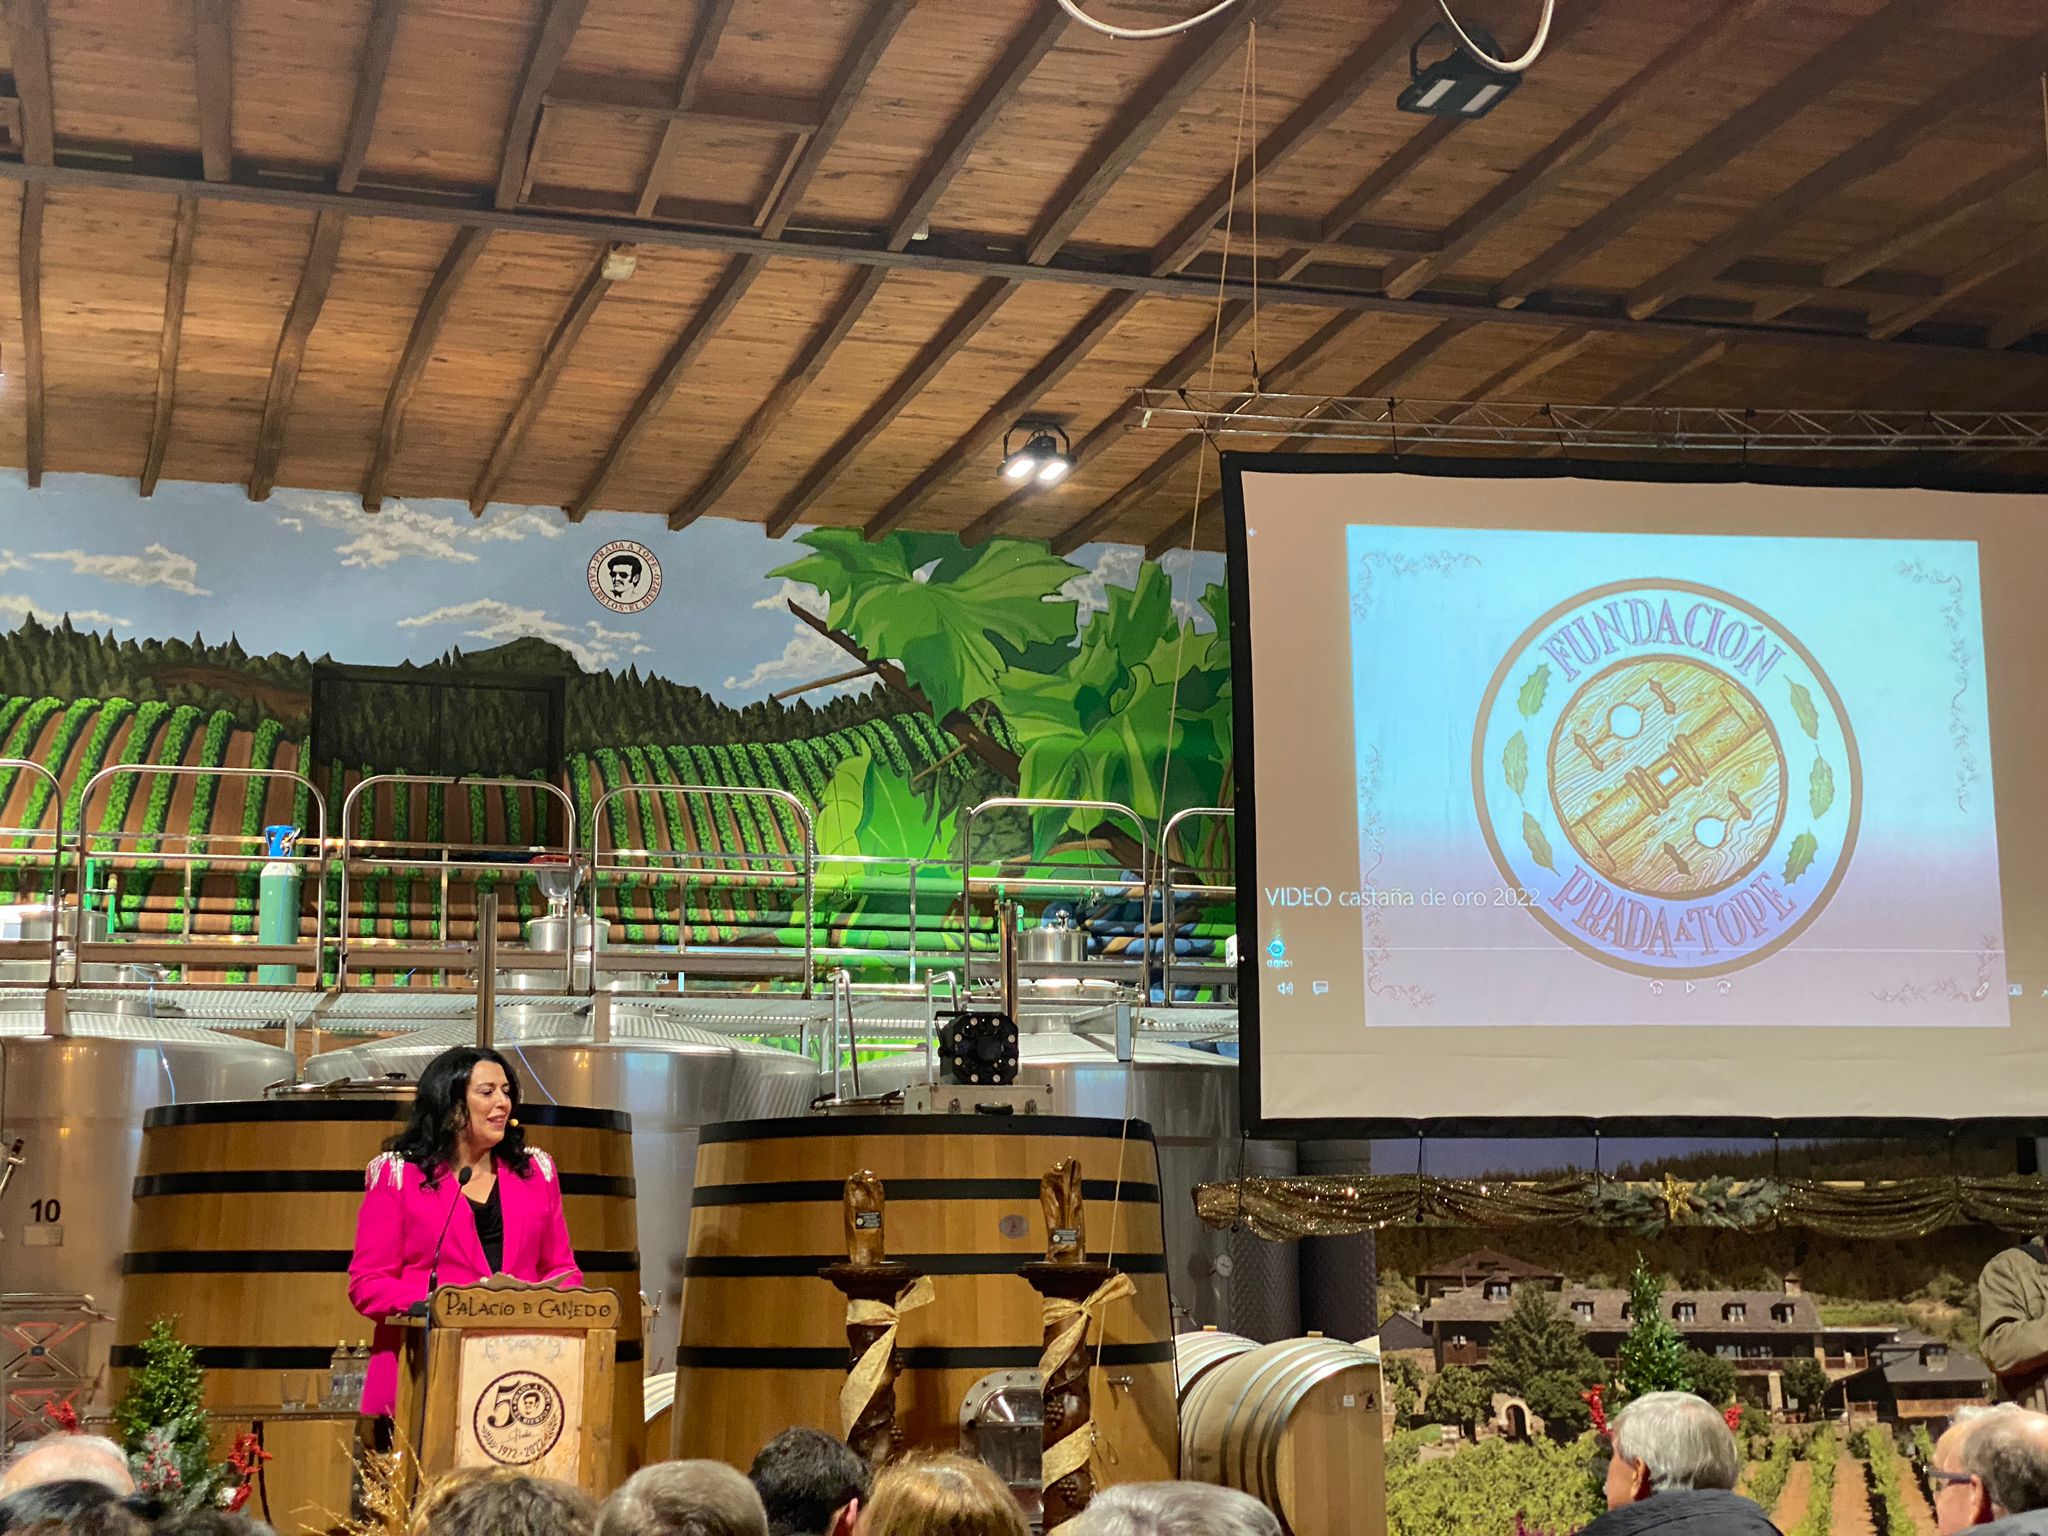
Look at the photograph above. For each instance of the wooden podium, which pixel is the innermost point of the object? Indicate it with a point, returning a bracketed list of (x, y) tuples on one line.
[(512, 1375)]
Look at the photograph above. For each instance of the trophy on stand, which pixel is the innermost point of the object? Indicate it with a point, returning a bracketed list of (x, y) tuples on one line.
[(1076, 1289), (877, 1293)]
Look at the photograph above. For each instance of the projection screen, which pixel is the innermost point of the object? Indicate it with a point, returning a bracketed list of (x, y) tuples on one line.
[(1672, 804)]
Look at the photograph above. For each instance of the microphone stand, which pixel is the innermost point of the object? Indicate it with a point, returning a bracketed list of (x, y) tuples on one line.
[(462, 1178)]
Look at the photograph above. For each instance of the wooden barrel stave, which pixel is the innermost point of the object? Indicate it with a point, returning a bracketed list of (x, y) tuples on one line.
[(1297, 1425), (1197, 1353), (242, 1225), (763, 1339)]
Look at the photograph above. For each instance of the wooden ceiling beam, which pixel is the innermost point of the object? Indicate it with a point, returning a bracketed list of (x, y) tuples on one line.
[(960, 328), (29, 267), (558, 23), (1330, 100), (1944, 215), (703, 43), (1176, 534), (725, 295), (213, 28), (1097, 521), (28, 38), (1741, 131), (1028, 47), (371, 71), (1067, 353), (582, 91), (2016, 327), (1996, 262), (1092, 270), (1591, 134), (1554, 353), (873, 36), (322, 255), (877, 29), (1177, 374), (788, 390), (462, 254), (1990, 82), (177, 275), (1382, 179), (1155, 104), (582, 305)]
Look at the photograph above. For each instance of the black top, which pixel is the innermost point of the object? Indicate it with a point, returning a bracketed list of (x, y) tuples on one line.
[(490, 1226), (1687, 1512)]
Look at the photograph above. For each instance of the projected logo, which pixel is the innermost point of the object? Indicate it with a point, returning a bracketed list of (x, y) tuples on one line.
[(1669, 776)]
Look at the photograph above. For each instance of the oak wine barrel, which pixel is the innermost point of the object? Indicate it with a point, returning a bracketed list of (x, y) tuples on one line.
[(1296, 1425), (1199, 1352), (242, 1227), (764, 1338)]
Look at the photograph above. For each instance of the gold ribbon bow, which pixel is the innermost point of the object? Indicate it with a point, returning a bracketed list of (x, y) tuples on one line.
[(1071, 1453), (864, 1381)]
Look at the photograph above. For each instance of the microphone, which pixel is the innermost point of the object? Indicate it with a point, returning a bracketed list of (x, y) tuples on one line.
[(421, 1308)]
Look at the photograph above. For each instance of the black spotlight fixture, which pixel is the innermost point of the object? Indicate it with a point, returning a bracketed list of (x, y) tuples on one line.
[(1045, 454), (1456, 85)]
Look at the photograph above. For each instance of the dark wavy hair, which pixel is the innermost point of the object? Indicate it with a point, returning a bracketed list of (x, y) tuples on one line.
[(441, 1106)]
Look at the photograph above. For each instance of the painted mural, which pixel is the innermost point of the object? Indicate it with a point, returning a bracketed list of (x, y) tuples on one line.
[(885, 685)]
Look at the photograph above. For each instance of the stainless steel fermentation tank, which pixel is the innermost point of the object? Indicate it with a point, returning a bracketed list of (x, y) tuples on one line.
[(75, 1101), (1188, 1096)]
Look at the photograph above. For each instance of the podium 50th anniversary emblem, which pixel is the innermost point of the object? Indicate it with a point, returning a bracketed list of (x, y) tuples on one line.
[(1667, 777)]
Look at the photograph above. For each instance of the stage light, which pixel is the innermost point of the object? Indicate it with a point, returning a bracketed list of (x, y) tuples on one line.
[(1045, 456), (1456, 85)]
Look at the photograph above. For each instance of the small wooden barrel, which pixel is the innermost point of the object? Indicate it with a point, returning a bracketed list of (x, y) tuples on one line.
[(764, 1338), (243, 1224), (1297, 1426), (1200, 1352)]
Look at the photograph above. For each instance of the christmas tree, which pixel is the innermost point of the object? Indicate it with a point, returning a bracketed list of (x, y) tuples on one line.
[(161, 1420), (1652, 1357)]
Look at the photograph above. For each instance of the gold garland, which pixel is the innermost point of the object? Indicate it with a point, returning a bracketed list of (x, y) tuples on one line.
[(1287, 1208)]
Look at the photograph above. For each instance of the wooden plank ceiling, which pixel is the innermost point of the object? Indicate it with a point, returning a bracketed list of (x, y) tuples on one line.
[(805, 260)]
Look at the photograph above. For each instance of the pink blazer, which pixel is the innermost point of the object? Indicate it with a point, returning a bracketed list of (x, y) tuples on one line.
[(396, 1229)]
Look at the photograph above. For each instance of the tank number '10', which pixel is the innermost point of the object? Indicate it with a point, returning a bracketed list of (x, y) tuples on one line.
[(45, 1210)]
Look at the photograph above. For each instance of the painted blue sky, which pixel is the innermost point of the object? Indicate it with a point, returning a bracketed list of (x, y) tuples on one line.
[(311, 571)]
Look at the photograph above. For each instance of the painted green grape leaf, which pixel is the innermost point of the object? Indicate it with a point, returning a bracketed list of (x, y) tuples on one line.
[(1539, 845), (1534, 686), (1799, 857), (1514, 762), (866, 806), (941, 631), (1821, 788), (1802, 706)]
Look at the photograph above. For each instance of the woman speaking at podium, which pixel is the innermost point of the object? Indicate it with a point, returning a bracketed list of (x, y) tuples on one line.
[(454, 1198)]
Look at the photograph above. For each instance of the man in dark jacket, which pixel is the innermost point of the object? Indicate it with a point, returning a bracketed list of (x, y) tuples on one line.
[(1673, 1473), (1990, 1473)]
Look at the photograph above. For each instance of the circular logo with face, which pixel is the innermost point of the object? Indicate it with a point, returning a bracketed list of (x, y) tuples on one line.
[(518, 1418), (1666, 778), (625, 576)]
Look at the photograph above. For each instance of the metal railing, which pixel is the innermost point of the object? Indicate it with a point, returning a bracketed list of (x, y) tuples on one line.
[(1169, 888), (999, 883), (446, 957), (45, 949), (723, 959), (185, 952)]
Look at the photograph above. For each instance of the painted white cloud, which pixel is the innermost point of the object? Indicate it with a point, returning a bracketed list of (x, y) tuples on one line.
[(806, 597), (10, 561), (156, 566), (806, 656), (494, 622), (404, 532), (14, 609), (296, 524), (1117, 565)]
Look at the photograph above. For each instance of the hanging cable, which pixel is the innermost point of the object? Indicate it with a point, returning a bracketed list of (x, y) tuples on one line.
[(1499, 66), (1147, 34)]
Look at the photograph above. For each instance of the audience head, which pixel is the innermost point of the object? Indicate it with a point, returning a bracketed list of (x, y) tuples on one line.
[(71, 1507), (1992, 1462), (488, 1502), (810, 1484), (683, 1498), (1175, 1509), (944, 1495), (211, 1522), (1667, 1442), (64, 1457)]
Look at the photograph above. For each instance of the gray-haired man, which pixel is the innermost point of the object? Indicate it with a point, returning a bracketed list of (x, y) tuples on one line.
[(1174, 1509), (1990, 1473), (1673, 1472)]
